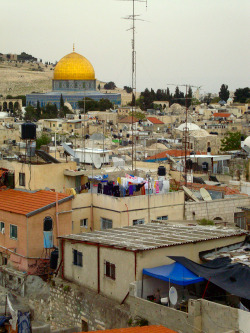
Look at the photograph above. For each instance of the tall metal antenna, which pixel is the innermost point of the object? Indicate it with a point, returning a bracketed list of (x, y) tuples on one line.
[(133, 18)]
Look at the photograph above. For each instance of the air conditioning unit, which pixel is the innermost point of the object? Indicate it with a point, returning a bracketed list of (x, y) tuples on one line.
[(3, 231)]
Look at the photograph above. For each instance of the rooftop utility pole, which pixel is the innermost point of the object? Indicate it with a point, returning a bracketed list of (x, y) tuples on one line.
[(185, 139), (133, 18)]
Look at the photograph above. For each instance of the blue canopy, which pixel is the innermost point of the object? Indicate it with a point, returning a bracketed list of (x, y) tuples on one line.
[(175, 273)]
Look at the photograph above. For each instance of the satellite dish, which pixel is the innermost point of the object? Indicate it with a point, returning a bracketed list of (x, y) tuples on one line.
[(173, 296), (205, 194), (171, 159), (190, 194), (98, 164)]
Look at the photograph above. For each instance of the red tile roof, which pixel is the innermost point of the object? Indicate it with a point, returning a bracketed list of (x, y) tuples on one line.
[(128, 120), (221, 115), (155, 120), (26, 203), (140, 329), (173, 153)]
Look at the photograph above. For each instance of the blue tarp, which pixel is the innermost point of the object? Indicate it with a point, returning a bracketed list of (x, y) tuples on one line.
[(175, 273)]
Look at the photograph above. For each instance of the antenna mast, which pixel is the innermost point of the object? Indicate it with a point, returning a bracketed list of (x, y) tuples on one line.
[(133, 17)]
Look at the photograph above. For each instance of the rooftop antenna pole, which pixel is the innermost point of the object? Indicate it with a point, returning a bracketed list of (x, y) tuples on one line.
[(133, 83), (133, 18)]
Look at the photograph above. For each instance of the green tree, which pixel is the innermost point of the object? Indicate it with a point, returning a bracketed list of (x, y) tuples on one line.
[(242, 95), (104, 104), (139, 115), (224, 92), (38, 110), (215, 100), (44, 139), (50, 111), (30, 113), (231, 141), (61, 102), (128, 89), (110, 85)]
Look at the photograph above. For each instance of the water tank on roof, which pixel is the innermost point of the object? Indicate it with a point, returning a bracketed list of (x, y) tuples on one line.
[(161, 171), (54, 259), (31, 148), (28, 131)]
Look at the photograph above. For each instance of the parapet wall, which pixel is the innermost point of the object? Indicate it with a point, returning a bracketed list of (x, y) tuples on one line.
[(223, 209)]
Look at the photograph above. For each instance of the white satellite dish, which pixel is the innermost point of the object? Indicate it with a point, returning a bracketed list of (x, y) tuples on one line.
[(171, 159), (190, 194), (98, 164), (205, 194), (173, 295)]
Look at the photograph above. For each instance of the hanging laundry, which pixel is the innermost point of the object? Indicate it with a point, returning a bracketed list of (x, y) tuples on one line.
[(131, 190)]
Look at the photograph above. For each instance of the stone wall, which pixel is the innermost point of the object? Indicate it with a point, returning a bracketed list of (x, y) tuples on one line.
[(220, 208), (72, 306)]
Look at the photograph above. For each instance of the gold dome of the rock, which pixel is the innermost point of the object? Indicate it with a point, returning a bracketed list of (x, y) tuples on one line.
[(74, 67)]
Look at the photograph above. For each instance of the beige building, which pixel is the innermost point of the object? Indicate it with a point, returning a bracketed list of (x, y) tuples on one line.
[(100, 212), (201, 140), (58, 176), (108, 261)]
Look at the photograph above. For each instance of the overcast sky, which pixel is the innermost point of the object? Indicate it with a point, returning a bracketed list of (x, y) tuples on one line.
[(199, 42)]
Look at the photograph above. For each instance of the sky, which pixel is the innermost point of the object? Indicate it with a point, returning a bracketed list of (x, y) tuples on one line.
[(197, 42)]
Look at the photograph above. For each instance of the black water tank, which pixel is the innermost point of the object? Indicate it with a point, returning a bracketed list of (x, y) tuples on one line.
[(189, 164), (54, 259), (127, 135), (28, 131), (80, 117), (209, 149), (161, 171)]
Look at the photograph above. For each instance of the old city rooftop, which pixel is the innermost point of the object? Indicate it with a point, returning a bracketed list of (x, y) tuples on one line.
[(29, 203), (153, 236)]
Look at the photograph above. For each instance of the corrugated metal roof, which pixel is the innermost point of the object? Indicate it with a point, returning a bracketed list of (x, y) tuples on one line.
[(153, 235), (140, 329), (28, 203)]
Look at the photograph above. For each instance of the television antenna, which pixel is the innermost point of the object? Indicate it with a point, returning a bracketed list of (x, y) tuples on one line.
[(185, 132), (133, 17)]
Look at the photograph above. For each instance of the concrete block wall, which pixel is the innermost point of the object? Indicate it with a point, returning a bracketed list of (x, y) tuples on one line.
[(220, 208)]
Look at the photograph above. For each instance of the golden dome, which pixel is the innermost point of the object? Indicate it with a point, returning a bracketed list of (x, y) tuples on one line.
[(74, 67)]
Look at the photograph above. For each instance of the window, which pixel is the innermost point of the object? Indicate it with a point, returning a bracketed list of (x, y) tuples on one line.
[(21, 179), (2, 227), (77, 258), (84, 223), (106, 223), (162, 218), (54, 125), (109, 269), (13, 231), (138, 221)]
